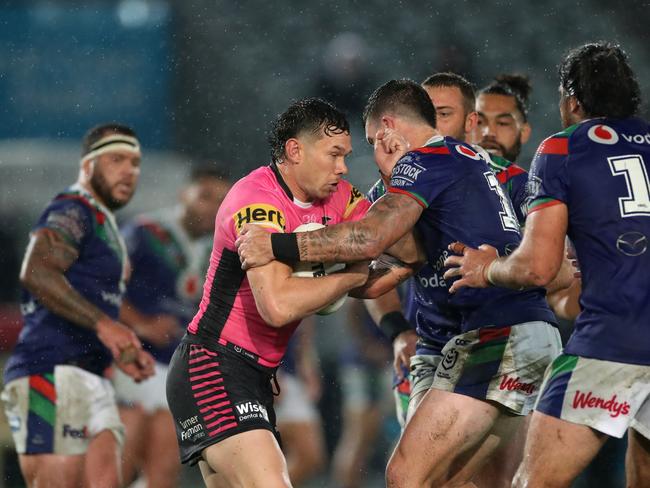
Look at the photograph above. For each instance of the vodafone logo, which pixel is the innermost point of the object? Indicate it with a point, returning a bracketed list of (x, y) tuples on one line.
[(602, 134), (466, 151)]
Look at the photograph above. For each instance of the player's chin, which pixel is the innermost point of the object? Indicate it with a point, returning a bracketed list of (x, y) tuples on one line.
[(121, 197), (328, 190)]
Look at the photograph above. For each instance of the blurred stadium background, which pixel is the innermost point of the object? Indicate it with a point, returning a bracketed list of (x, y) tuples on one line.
[(200, 80)]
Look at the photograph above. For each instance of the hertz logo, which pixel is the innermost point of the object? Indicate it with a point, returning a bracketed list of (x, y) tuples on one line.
[(259, 213)]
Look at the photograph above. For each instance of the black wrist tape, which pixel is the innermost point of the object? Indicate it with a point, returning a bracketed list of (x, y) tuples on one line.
[(393, 324), (285, 247)]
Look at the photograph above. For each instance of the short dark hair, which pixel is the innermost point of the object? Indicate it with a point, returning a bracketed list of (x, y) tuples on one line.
[(96, 133), (208, 171), (600, 77), (512, 85), (306, 115), (404, 97), (450, 79)]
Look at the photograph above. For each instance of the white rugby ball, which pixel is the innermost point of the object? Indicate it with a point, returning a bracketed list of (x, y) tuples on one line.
[(314, 270)]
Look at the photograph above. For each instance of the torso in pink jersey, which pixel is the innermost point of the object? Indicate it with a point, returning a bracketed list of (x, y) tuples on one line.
[(228, 314)]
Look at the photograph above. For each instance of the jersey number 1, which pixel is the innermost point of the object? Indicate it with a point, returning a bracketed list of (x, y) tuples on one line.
[(508, 218), (637, 202)]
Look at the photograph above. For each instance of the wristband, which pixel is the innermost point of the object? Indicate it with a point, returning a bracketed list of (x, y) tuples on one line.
[(488, 273), (393, 324), (285, 247)]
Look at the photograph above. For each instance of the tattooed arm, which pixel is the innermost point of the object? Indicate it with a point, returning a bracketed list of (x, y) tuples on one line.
[(387, 221), (47, 259)]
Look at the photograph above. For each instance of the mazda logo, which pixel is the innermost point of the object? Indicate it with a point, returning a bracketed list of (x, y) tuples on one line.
[(632, 243)]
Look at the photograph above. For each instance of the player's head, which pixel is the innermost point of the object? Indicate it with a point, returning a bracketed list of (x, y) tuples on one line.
[(402, 106), (309, 143), (403, 99), (201, 198), (502, 108), (453, 98), (596, 80), (110, 163)]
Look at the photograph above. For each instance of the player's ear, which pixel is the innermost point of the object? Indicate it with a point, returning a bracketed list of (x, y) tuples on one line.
[(293, 150), (471, 121), (87, 167), (388, 121)]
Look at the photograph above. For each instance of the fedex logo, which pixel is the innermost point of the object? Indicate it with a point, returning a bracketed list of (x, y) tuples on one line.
[(69, 431)]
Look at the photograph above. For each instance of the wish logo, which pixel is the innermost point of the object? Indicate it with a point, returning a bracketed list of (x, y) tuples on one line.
[(251, 411), (632, 243)]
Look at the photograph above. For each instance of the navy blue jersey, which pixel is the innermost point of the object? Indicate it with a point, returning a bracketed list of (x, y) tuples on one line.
[(599, 169), (98, 274), (168, 268), (435, 322), (463, 201)]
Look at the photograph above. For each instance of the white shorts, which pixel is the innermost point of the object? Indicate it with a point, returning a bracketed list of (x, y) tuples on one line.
[(607, 396), (293, 404), (149, 394), (60, 412), (505, 365), (423, 371)]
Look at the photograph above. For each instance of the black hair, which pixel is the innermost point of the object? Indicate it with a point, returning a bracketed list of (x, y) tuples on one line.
[(450, 79), (307, 115), (403, 97), (99, 131), (512, 85), (600, 77)]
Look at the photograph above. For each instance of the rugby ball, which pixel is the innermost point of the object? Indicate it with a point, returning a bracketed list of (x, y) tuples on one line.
[(307, 269)]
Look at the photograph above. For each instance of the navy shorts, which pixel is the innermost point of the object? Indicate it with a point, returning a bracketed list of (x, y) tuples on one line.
[(214, 393)]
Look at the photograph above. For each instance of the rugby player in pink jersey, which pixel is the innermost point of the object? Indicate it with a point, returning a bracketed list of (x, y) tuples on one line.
[(220, 382)]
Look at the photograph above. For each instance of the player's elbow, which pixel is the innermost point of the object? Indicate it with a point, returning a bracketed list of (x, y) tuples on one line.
[(274, 312), (29, 278), (539, 275)]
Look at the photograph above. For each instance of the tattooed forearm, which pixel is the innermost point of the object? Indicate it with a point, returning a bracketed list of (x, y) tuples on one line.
[(387, 221), (48, 257)]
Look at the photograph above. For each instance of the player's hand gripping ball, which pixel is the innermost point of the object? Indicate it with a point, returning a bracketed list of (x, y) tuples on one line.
[(314, 270)]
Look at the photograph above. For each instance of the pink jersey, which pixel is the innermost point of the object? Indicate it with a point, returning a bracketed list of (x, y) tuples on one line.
[(228, 314)]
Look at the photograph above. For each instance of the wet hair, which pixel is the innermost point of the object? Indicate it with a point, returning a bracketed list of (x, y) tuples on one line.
[(449, 79), (96, 133), (600, 77), (511, 85), (401, 97), (309, 115)]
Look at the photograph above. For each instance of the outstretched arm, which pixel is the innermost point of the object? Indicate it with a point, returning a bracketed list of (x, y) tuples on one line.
[(388, 220)]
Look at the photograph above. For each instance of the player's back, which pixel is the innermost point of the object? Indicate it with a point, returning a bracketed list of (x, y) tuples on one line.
[(464, 202), (599, 168)]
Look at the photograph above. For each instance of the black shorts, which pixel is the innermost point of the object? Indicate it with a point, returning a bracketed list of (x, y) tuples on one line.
[(214, 393)]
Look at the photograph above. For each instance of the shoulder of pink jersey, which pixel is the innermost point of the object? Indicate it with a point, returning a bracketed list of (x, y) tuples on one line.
[(352, 202), (256, 199)]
